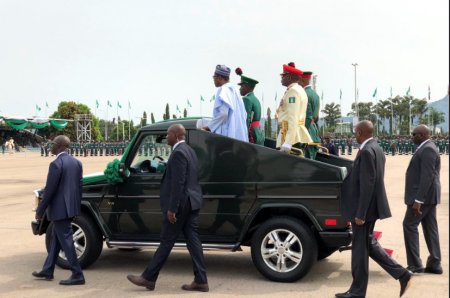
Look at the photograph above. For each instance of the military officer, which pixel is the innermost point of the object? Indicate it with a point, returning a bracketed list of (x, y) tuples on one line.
[(252, 107), (312, 114), (291, 112)]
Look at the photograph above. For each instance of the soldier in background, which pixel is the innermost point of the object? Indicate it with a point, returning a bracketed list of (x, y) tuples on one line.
[(312, 113), (252, 107)]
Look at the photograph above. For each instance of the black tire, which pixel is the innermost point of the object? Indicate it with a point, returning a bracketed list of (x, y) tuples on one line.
[(325, 252), (92, 242), (304, 247)]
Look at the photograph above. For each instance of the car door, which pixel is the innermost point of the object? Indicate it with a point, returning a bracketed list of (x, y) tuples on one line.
[(135, 211)]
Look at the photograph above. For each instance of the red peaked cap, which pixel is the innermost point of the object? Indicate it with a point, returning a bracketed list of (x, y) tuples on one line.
[(290, 68), (307, 74)]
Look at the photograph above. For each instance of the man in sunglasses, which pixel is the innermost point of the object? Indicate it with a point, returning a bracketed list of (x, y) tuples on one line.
[(422, 194)]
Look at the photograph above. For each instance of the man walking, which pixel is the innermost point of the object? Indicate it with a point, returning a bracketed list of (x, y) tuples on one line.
[(291, 112), (62, 202), (181, 200), (367, 203), (422, 194), (252, 107), (229, 116)]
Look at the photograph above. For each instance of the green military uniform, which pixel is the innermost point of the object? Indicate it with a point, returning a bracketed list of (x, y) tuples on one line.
[(312, 118), (253, 109)]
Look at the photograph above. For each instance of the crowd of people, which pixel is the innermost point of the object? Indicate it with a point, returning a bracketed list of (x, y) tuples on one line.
[(89, 149)]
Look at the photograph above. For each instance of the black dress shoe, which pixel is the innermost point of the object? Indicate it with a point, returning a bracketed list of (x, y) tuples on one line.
[(405, 282), (348, 295), (42, 275), (436, 270), (73, 281), (415, 269)]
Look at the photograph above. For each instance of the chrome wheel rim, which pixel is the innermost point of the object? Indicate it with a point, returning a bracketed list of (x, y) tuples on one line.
[(79, 241), (281, 250)]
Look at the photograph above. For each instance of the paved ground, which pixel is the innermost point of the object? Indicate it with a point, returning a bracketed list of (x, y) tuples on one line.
[(230, 274)]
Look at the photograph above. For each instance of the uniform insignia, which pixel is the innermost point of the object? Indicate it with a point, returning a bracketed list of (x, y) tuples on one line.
[(291, 99)]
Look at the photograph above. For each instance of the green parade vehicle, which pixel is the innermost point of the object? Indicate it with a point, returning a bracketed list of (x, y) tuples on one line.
[(286, 208)]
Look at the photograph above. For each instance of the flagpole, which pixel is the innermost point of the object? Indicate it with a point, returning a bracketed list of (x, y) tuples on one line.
[(129, 122), (117, 115), (106, 122), (323, 120)]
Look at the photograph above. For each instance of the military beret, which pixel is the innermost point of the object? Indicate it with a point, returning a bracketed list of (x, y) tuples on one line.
[(245, 79)]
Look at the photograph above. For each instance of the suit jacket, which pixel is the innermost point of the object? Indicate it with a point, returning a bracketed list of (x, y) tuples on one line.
[(367, 199), (422, 176), (180, 180), (62, 193)]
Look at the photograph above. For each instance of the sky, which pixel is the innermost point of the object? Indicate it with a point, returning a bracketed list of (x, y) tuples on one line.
[(149, 53)]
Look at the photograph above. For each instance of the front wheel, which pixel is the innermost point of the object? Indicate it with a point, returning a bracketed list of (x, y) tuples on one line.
[(283, 249), (87, 240)]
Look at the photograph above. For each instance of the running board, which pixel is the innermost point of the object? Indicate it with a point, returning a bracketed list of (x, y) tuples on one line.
[(208, 246)]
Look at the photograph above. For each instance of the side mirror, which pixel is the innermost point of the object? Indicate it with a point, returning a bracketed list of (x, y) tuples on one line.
[(123, 171)]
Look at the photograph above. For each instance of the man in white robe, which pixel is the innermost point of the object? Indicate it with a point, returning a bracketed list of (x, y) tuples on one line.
[(229, 115)]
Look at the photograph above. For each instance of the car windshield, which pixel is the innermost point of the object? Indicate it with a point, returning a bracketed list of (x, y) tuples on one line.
[(152, 151)]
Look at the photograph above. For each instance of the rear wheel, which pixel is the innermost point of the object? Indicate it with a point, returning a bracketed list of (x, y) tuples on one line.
[(87, 240), (283, 249)]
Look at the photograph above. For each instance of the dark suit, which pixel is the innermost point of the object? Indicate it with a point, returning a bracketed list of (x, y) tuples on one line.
[(422, 184), (182, 194), (62, 202), (368, 201)]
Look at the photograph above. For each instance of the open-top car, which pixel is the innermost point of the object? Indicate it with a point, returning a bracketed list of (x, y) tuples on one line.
[(286, 208)]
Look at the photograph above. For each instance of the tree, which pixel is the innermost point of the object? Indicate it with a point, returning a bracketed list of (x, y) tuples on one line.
[(384, 111), (436, 117), (332, 112), (366, 111), (268, 125), (167, 114), (174, 116), (68, 110), (144, 119), (185, 113), (152, 118)]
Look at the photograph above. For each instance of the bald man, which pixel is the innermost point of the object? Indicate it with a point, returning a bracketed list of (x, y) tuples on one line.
[(181, 200), (62, 202), (367, 203), (422, 194)]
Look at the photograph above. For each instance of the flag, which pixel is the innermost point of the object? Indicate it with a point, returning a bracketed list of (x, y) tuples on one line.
[(118, 105), (46, 103), (201, 98), (408, 92), (212, 98), (97, 104), (178, 109), (340, 93), (38, 108), (375, 92), (189, 104), (429, 92), (109, 104)]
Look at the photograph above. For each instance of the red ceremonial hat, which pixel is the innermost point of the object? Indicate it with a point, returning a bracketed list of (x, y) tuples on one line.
[(290, 68)]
